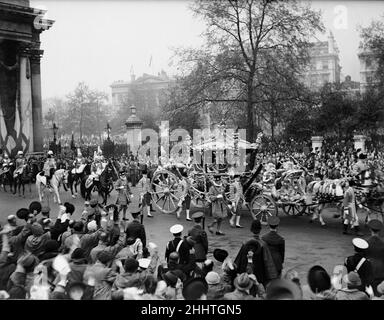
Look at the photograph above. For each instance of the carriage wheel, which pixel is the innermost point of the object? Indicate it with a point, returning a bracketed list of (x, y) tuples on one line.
[(263, 207), (164, 191), (294, 209)]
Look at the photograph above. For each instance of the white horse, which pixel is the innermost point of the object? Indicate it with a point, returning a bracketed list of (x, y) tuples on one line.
[(60, 176)]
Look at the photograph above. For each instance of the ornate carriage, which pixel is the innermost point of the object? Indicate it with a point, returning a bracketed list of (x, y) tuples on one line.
[(166, 179)]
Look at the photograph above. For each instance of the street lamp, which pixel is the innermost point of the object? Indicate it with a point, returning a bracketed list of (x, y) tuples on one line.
[(108, 130), (54, 129)]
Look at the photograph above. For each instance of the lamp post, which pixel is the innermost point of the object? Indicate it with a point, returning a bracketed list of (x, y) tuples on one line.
[(108, 130), (54, 129)]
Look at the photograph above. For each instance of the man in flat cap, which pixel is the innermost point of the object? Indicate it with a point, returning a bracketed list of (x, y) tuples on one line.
[(200, 237), (359, 263), (375, 253), (172, 245), (276, 243)]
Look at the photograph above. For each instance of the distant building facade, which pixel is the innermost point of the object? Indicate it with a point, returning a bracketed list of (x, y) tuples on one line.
[(146, 93), (352, 88), (324, 66), (368, 67)]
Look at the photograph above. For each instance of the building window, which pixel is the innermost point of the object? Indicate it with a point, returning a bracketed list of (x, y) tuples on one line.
[(368, 63), (325, 65)]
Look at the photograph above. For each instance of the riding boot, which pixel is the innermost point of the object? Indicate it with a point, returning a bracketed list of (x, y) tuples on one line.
[(357, 231), (345, 228)]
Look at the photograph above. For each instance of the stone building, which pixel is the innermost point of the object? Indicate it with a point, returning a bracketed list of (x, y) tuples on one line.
[(21, 126), (324, 64), (368, 67), (146, 93), (352, 88)]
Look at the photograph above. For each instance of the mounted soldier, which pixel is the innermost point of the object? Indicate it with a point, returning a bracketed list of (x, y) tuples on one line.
[(20, 164), (97, 167), (6, 162), (49, 168), (79, 163)]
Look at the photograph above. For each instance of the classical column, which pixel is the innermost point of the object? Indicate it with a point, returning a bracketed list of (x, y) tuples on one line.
[(37, 109), (317, 142), (25, 104)]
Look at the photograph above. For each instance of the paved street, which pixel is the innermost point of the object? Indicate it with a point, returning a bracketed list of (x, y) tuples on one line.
[(306, 244)]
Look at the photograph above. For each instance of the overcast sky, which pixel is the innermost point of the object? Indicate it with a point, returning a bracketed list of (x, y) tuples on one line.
[(99, 41)]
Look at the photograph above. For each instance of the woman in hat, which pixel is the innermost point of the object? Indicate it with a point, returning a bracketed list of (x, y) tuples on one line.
[(243, 283), (216, 288), (124, 193), (351, 292), (216, 195)]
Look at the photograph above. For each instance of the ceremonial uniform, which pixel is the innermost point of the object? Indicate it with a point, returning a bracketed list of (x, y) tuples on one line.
[(20, 164), (199, 236), (173, 245), (79, 161), (49, 167), (359, 263), (144, 186), (5, 164), (124, 193), (185, 197), (364, 271), (216, 196), (349, 210), (236, 197)]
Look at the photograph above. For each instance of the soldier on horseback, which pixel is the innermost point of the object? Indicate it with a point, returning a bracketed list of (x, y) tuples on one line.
[(20, 163), (6, 163), (79, 162), (49, 168)]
